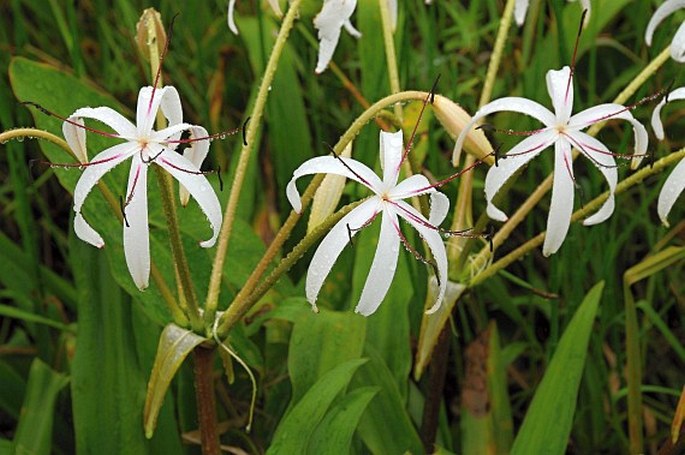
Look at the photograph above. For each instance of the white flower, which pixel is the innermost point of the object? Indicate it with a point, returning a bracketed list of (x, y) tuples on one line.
[(675, 183), (521, 6), (387, 201), (564, 132), (334, 15), (144, 146), (662, 12), (231, 11)]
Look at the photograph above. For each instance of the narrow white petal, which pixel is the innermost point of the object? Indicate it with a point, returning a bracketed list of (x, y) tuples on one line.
[(520, 8), (331, 165), (678, 44), (507, 104), (392, 149), (672, 189), (657, 126), (435, 243), (560, 89), (198, 187), (109, 117), (106, 160), (351, 29), (561, 207), (603, 160), (231, 22), (146, 110), (137, 233), (196, 154), (666, 9), (171, 108), (440, 205), (416, 185), (383, 266), (332, 245), (508, 165), (333, 16), (610, 111), (170, 133), (76, 138)]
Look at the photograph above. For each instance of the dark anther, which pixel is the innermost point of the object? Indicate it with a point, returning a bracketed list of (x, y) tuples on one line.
[(221, 180), (497, 154), (247, 120), (171, 27), (37, 106), (349, 233), (668, 90), (148, 161), (433, 88), (122, 206)]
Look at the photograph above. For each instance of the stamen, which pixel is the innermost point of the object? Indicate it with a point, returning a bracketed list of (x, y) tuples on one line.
[(339, 158), (247, 120), (629, 107), (211, 137), (72, 165), (69, 121), (221, 180), (582, 147), (161, 61), (410, 142), (122, 207), (575, 53), (490, 128), (668, 91), (364, 224), (489, 236), (189, 171), (349, 233), (435, 86), (149, 160)]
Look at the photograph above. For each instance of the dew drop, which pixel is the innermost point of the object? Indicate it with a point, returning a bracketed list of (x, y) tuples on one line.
[(20, 138)]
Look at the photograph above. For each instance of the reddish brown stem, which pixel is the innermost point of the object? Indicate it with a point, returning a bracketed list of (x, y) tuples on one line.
[(206, 404), (436, 383)]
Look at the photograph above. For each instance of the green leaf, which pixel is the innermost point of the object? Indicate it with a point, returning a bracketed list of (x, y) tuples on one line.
[(12, 390), (34, 431), (175, 344), (548, 422), (294, 433), (334, 435)]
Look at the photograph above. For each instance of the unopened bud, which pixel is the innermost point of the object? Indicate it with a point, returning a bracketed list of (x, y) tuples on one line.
[(327, 195), (150, 34), (454, 119)]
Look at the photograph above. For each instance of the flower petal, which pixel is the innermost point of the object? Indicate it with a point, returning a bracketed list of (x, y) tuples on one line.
[(416, 185), (334, 242), (329, 21), (392, 149), (604, 160), (352, 169), (561, 207), (146, 110), (440, 205), (610, 111), (383, 266), (560, 89), (231, 22), (351, 29), (171, 108), (507, 104), (199, 188), (170, 133), (657, 126), (678, 44), (105, 161), (666, 9), (520, 8), (137, 232), (196, 154), (508, 165), (435, 243), (672, 189), (76, 136)]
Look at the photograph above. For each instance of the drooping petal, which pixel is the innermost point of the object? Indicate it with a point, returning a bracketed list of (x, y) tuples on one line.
[(678, 44), (171, 108), (392, 149), (440, 205), (334, 242), (507, 104), (662, 12), (520, 8), (333, 16), (561, 207), (435, 243), (137, 232), (76, 135), (352, 169), (383, 266), (560, 89), (508, 165), (231, 21), (147, 107), (603, 160), (657, 126), (672, 189), (196, 154), (106, 160), (614, 111), (199, 188), (351, 29)]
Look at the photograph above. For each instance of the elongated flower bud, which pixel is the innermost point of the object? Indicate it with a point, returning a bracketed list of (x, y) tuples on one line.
[(150, 32), (454, 119), (328, 195)]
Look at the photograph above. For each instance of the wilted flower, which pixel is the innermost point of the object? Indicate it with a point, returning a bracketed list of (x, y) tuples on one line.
[(661, 13), (144, 146), (521, 7), (564, 132), (675, 183), (387, 201)]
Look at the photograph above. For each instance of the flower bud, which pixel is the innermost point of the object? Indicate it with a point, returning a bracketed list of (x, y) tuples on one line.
[(150, 33), (328, 195), (454, 119)]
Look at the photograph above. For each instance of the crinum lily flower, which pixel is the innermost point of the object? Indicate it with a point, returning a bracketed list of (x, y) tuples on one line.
[(521, 7), (388, 201), (675, 183), (661, 13), (144, 146), (564, 132)]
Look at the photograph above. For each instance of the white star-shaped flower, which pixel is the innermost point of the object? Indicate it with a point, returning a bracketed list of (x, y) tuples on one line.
[(661, 13), (675, 183), (521, 7), (334, 15), (388, 201), (564, 132), (144, 146)]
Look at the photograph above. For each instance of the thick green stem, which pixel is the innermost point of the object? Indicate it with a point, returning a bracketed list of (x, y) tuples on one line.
[(536, 241), (497, 52), (245, 153), (390, 55)]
